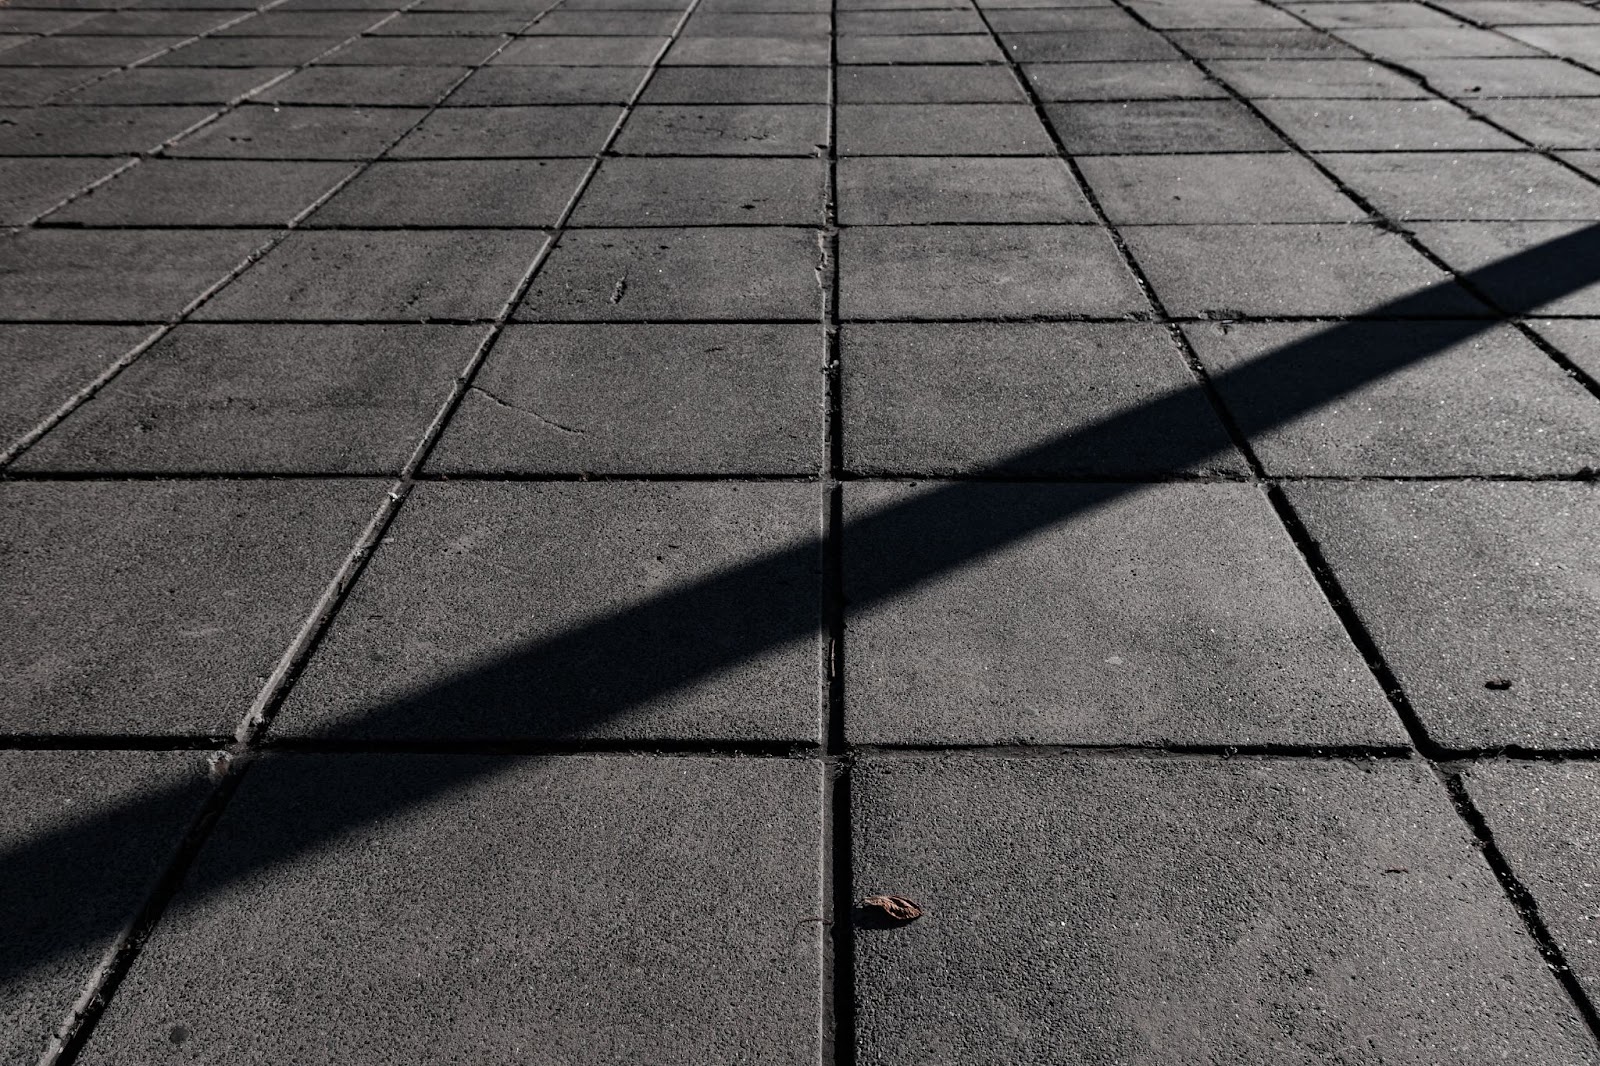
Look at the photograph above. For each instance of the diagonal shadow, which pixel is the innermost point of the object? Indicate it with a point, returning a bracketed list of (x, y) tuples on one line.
[(563, 685)]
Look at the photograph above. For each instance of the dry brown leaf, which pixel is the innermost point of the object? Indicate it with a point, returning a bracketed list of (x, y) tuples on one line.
[(897, 907)]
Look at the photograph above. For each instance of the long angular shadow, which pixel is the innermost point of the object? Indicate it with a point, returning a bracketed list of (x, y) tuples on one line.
[(562, 686)]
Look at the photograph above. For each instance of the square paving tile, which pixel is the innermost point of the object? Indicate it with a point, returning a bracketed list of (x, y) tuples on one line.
[(982, 272), (925, 48), (1229, 271), (643, 399), (1463, 403), (1185, 15), (568, 610), (864, 23), (1539, 814), (391, 86), (725, 129), (1327, 79), (880, 191), (941, 129), (247, 52), (1092, 614), (29, 187), (737, 85), (85, 51), (260, 132), (1049, 17), (1146, 910), (93, 130), (606, 23), (1261, 44), (1363, 15), (20, 86), (77, 869), (1024, 398), (1096, 45), (1466, 583), (1119, 81), (702, 192), (1473, 185), (303, 24), (929, 85), (452, 24), (414, 52), (160, 607), (728, 273), (1577, 339), (1273, 187), (708, 23), (1580, 43), (1470, 247), (44, 365), (277, 399), (205, 192), (1161, 126), (509, 132), (140, 275), (456, 192), (381, 275), (1429, 42), (174, 85), (1558, 123), (582, 51), (1381, 125), (628, 859), (749, 52), (1475, 79), (521, 86)]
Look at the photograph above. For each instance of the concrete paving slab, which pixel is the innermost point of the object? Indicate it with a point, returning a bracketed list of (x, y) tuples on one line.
[(1120, 81), (1145, 910), (893, 23), (756, 24), (1153, 616), (1161, 127), (703, 192), (1271, 187), (642, 399), (729, 273), (160, 607), (75, 872), (725, 129), (916, 49), (1049, 18), (179, 23), (748, 52), (982, 272), (582, 51), (1539, 814), (509, 132), (1261, 44), (1327, 79), (901, 190), (929, 85), (703, 916), (455, 192), (44, 365), (948, 398), (137, 275), (1339, 16), (413, 52), (1474, 79), (1578, 43), (303, 24), (378, 275), (22, 86), (85, 51), (389, 86), (1429, 42), (606, 23), (1186, 15), (1099, 45), (941, 129), (1470, 185), (174, 85), (1577, 339), (1470, 246), (737, 85), (33, 186), (1310, 269), (205, 192), (1467, 583), (1558, 123), (246, 52), (451, 24), (1489, 406), (1518, 12), (521, 86), (266, 399), (260, 132), (456, 631), (1381, 125), (94, 130)]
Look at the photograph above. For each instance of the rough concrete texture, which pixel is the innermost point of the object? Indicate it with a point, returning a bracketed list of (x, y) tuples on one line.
[(1159, 910)]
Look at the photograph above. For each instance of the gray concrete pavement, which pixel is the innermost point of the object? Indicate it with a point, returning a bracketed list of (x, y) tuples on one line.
[(517, 515)]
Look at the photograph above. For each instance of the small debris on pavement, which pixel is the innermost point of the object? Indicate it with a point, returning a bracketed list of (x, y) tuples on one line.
[(897, 907)]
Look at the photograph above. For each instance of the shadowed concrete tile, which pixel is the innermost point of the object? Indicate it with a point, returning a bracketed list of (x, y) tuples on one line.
[(521, 86), (654, 399), (457, 629), (1161, 126), (93, 130), (145, 275), (1467, 583), (878, 191), (29, 187), (84, 51), (1379, 125), (414, 86), (51, 950), (1119, 81), (259, 132), (246, 52), (1541, 815), (20, 86), (1470, 246), (1270, 187), (1177, 614), (303, 24), (1150, 911), (1475, 185), (158, 607), (699, 192), (203, 192), (729, 273), (329, 399), (509, 132), (43, 365), (982, 272), (174, 85), (725, 129), (737, 85), (381, 275), (941, 398), (574, 885), (1288, 270), (1493, 405), (941, 129), (455, 192)]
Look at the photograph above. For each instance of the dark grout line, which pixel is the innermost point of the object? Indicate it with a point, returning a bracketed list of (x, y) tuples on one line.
[(113, 742), (522, 748)]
